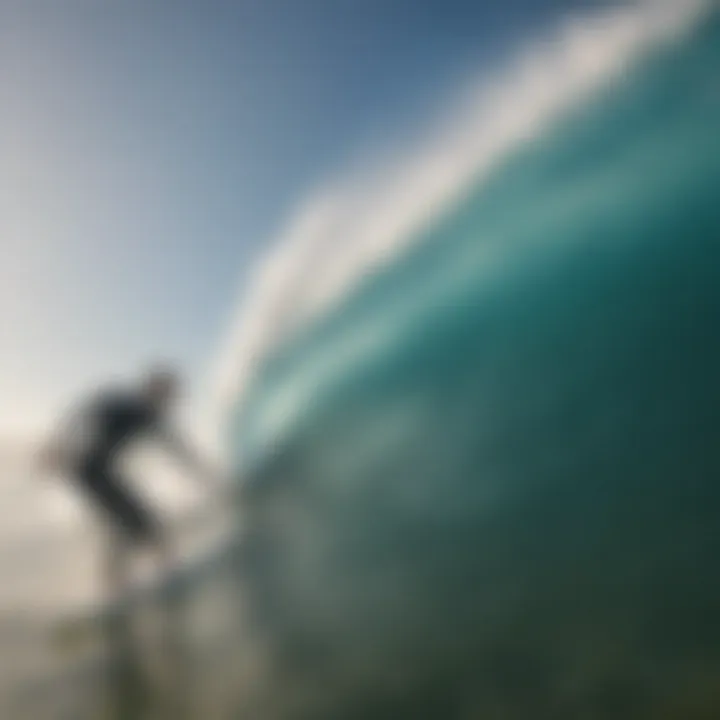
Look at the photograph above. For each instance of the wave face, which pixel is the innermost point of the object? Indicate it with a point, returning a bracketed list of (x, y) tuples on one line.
[(486, 483)]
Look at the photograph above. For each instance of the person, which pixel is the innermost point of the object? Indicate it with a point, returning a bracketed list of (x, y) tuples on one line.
[(86, 448)]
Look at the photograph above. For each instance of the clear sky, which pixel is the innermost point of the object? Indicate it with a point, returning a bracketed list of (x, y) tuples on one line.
[(150, 150)]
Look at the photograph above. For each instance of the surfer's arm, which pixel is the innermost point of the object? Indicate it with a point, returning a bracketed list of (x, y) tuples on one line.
[(57, 451)]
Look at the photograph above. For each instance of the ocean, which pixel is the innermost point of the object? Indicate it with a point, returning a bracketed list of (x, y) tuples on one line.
[(485, 482), (481, 479)]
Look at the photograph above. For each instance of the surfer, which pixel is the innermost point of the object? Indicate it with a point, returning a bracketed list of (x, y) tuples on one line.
[(86, 448)]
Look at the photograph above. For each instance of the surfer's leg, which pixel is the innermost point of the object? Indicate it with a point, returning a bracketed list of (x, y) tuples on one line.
[(138, 524), (127, 513), (129, 523), (100, 489)]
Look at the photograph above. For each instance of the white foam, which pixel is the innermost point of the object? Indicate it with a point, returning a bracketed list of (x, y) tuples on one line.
[(342, 233)]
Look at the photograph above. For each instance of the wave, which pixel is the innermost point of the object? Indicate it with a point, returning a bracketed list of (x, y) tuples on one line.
[(481, 479), (359, 223), (485, 481)]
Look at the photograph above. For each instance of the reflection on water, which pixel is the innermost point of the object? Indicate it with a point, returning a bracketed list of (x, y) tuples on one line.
[(162, 654)]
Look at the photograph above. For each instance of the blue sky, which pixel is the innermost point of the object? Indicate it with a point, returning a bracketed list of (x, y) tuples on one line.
[(151, 150)]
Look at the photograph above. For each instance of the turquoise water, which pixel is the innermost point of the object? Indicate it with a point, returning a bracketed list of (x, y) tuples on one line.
[(486, 483)]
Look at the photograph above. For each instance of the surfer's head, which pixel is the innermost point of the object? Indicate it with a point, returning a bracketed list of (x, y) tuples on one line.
[(161, 386)]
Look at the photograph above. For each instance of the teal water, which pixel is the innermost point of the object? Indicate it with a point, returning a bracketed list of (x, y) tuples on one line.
[(486, 483)]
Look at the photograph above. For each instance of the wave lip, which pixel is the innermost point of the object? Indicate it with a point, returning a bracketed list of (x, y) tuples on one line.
[(347, 230)]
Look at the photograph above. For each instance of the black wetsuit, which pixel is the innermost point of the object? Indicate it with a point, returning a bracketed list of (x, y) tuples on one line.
[(111, 421)]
